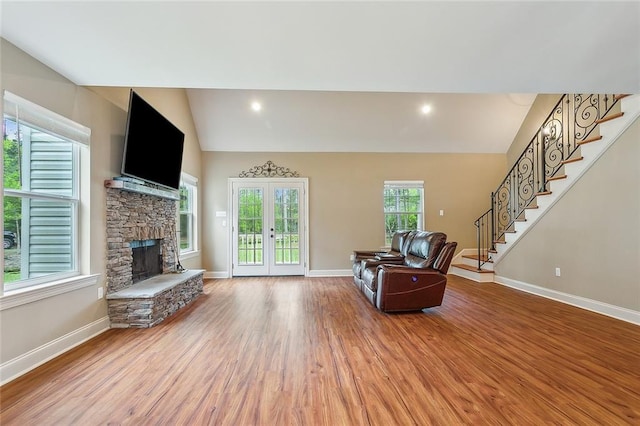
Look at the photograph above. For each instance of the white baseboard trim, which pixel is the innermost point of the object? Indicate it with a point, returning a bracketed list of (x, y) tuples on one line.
[(613, 311), (216, 274), (24, 363), (462, 252), (313, 273), (330, 273)]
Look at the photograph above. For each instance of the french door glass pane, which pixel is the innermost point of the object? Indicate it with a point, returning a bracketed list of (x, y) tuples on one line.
[(286, 219), (250, 224)]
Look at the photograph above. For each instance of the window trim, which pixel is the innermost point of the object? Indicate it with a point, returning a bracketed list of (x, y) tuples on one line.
[(37, 117), (191, 181), (24, 295)]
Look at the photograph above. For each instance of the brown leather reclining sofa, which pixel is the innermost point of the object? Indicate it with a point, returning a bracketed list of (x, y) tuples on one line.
[(411, 276)]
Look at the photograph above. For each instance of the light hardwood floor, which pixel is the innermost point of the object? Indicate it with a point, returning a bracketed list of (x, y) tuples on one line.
[(313, 351)]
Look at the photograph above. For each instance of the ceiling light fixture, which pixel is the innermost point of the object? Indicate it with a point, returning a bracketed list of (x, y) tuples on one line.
[(256, 106), (426, 109)]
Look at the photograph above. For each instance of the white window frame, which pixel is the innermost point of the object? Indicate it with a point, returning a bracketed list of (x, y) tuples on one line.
[(36, 117), (191, 184), (404, 184)]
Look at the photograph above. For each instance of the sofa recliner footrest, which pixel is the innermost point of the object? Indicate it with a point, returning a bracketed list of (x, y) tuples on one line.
[(404, 289)]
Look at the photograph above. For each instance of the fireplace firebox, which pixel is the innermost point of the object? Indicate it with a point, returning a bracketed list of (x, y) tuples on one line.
[(147, 259)]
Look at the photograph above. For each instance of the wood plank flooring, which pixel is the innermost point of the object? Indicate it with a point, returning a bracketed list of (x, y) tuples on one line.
[(313, 351)]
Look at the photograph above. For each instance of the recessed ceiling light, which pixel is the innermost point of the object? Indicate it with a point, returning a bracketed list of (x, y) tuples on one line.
[(256, 106), (425, 109)]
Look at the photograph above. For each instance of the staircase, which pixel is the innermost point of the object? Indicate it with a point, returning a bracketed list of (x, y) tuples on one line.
[(572, 138)]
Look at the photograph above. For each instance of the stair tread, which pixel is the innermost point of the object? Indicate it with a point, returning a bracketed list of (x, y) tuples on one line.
[(572, 160), (543, 193), (620, 96), (610, 117), (472, 268), (557, 177), (593, 139), (476, 257)]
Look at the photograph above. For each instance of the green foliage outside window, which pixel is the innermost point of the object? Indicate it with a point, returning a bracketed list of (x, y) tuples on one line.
[(402, 210), (11, 178)]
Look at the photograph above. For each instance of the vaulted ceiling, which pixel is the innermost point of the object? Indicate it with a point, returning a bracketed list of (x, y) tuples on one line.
[(342, 76)]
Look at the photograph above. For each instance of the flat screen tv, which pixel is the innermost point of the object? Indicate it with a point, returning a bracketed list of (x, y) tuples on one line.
[(152, 145)]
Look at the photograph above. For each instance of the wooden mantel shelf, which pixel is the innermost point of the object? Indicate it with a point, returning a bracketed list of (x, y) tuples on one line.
[(141, 188)]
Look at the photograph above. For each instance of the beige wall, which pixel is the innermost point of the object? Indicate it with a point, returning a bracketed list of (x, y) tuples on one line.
[(540, 110), (174, 105), (345, 203), (592, 234), (26, 329)]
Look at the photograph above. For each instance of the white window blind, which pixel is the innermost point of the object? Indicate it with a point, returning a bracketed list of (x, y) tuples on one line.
[(39, 117)]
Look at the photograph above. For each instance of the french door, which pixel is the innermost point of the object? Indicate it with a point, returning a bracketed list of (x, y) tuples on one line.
[(268, 226)]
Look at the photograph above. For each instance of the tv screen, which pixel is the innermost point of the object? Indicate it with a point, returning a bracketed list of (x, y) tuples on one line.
[(152, 146)]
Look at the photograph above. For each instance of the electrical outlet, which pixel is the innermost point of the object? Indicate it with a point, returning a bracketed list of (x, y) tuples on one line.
[(557, 272), (441, 212), (100, 292), (351, 258)]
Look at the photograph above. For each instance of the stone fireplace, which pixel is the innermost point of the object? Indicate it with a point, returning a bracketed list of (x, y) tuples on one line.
[(142, 286), (131, 218)]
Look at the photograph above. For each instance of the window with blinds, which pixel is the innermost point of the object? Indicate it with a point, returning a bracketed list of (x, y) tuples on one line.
[(41, 193)]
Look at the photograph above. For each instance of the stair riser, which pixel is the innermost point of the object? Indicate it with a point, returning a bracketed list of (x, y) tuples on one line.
[(532, 215), (544, 201), (575, 168), (520, 226), (557, 186), (481, 278), (591, 150), (473, 262), (510, 237), (630, 103), (612, 127)]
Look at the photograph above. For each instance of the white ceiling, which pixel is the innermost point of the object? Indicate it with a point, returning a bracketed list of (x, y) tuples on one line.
[(346, 76)]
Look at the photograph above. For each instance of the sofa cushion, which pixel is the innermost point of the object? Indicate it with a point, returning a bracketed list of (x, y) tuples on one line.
[(406, 243), (424, 248), (444, 258), (370, 278), (357, 268), (397, 241)]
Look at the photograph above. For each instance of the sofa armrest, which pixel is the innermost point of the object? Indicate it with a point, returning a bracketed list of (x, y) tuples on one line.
[(444, 258), (366, 254), (373, 263), (391, 270), (390, 257), (403, 288)]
